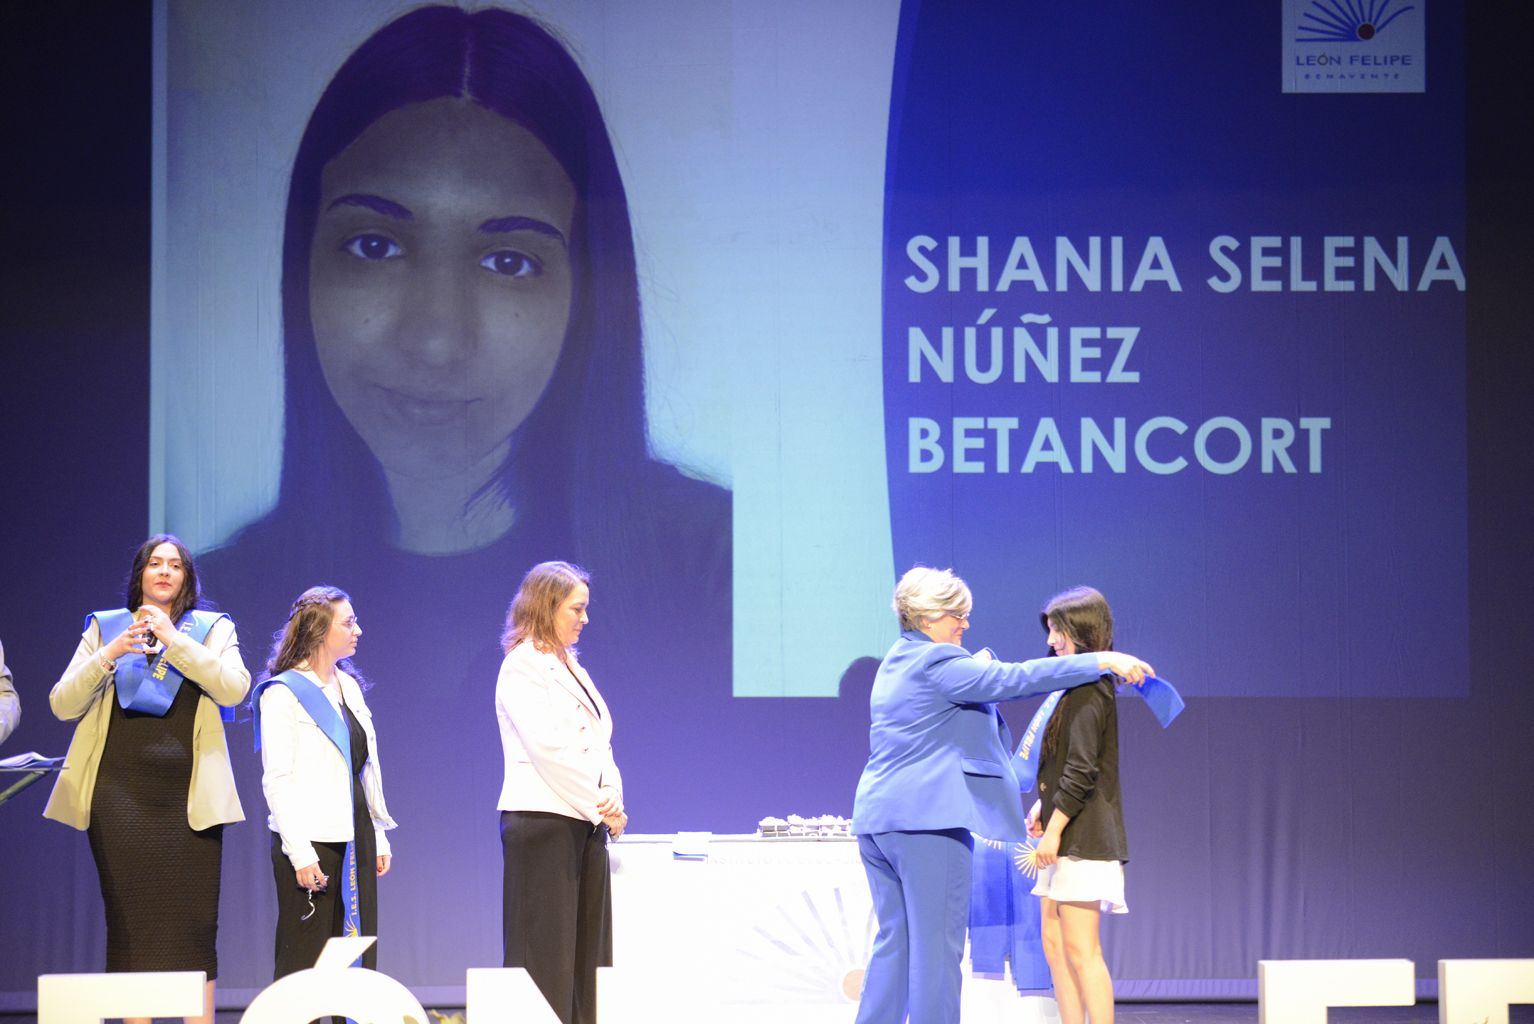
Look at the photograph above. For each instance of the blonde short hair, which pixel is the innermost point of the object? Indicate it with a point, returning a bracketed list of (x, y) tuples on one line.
[(924, 595)]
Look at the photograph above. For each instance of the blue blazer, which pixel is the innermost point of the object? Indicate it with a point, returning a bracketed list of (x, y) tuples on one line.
[(939, 753)]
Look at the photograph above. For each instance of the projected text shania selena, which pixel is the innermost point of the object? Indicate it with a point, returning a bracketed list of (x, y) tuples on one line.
[(1260, 263)]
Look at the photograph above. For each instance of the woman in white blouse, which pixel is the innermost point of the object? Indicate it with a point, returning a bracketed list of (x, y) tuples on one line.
[(322, 781), (562, 796)]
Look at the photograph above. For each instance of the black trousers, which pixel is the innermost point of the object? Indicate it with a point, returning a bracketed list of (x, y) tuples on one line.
[(299, 941), (558, 912)]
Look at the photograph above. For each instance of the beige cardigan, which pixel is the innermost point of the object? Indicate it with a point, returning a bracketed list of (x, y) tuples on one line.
[(86, 691)]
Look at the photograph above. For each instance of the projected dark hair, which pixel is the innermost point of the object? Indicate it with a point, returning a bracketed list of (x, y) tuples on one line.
[(514, 67)]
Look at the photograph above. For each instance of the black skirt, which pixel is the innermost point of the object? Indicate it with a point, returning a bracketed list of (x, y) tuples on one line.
[(159, 878)]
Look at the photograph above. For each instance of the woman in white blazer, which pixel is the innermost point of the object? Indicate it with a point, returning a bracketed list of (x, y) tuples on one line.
[(322, 780), (562, 796)]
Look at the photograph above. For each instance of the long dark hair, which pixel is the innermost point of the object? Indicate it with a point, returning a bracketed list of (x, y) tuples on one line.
[(190, 595), (1082, 614), (513, 66)]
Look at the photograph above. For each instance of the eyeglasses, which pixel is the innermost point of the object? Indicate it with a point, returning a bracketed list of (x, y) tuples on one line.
[(940, 616)]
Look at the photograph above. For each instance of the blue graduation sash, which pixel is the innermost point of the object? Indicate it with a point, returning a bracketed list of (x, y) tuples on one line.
[(150, 685), (318, 707), (1004, 917), (1026, 760), (1160, 696)]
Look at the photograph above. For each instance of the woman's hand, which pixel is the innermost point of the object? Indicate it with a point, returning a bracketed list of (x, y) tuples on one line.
[(984, 656), (610, 804), (1048, 850), (1126, 666), (610, 807), (129, 641), (312, 878), (385, 861), (1035, 829), (158, 623)]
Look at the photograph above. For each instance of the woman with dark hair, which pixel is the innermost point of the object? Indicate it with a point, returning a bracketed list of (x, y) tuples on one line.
[(322, 781), (1079, 819), (460, 302), (464, 380), (562, 795), (456, 214), (147, 774)]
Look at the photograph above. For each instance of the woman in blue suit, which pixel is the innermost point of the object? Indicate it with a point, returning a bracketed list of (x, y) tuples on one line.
[(940, 768)]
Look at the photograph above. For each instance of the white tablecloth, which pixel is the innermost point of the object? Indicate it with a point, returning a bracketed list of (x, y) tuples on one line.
[(769, 923)]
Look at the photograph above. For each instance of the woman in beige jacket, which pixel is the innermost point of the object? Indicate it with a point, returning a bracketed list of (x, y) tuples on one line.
[(148, 775)]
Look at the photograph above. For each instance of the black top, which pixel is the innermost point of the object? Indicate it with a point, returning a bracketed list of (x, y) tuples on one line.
[(1081, 775)]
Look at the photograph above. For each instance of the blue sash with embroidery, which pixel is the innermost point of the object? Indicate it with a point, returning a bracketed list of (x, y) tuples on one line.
[(1026, 760), (149, 685), (1160, 696), (318, 707)]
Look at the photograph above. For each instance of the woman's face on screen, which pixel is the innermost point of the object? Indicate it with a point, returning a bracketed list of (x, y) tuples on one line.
[(440, 283)]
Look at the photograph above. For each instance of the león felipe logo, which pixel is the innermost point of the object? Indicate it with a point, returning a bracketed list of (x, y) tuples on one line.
[(1354, 46), (1348, 21)]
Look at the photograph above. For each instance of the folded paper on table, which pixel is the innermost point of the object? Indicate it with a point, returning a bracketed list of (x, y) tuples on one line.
[(29, 762), (691, 845)]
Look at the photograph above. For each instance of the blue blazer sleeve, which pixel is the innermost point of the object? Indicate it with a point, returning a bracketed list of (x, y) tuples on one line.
[(937, 758), (961, 678)]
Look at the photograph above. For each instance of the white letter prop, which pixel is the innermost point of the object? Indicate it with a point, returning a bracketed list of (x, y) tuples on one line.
[(332, 987), (505, 994), (93, 998), (1480, 990), (1299, 991)]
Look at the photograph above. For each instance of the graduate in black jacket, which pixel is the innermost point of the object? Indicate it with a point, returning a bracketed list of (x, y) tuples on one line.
[(1079, 819)]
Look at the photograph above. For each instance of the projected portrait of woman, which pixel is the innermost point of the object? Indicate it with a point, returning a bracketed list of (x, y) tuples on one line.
[(464, 389), (460, 306), (461, 331)]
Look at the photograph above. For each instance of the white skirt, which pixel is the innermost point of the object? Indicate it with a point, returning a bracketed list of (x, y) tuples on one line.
[(1074, 880)]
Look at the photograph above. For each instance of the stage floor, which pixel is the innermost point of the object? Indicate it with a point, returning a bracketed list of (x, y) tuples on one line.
[(1160, 1013)]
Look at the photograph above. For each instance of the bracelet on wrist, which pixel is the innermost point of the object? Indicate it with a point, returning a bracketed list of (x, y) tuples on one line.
[(107, 664)]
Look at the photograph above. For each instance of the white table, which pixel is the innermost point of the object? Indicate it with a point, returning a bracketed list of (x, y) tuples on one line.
[(778, 924)]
